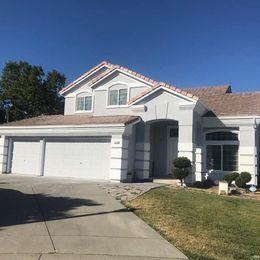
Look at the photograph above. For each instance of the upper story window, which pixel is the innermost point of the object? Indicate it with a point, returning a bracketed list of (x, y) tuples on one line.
[(117, 95), (84, 102)]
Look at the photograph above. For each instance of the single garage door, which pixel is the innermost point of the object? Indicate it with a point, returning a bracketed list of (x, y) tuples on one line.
[(82, 158), (25, 157)]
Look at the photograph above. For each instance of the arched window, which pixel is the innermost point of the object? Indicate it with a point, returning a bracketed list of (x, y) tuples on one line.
[(118, 95), (222, 150), (84, 102)]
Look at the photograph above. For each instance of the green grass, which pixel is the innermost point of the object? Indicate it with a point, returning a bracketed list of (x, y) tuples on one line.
[(202, 225)]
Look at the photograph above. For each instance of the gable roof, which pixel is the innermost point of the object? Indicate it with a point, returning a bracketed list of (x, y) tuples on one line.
[(219, 99), (85, 75), (114, 67), (162, 85)]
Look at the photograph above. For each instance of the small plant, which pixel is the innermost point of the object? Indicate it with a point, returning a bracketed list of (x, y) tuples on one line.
[(181, 168), (230, 177), (243, 179)]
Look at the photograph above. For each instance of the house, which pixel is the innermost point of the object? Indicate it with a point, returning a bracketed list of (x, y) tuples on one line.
[(117, 121)]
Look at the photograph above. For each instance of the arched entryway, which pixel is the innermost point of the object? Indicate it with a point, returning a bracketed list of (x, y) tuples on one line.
[(163, 146)]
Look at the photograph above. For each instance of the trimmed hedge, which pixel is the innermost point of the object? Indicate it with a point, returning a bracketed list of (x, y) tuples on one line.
[(243, 179), (230, 177)]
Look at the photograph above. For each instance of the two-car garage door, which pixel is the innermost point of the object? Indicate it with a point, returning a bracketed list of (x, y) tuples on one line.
[(64, 157)]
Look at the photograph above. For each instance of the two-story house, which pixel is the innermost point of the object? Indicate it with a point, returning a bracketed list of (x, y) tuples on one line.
[(118, 121)]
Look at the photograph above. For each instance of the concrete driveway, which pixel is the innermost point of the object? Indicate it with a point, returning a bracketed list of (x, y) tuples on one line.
[(46, 218)]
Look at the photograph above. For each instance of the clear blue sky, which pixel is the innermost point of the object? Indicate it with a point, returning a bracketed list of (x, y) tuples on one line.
[(186, 43)]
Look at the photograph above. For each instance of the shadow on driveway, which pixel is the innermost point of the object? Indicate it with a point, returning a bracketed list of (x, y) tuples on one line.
[(20, 208)]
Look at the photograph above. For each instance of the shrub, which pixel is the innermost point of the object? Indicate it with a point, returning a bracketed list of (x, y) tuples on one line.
[(181, 170), (239, 182), (182, 163), (246, 177), (180, 174), (243, 179), (230, 177)]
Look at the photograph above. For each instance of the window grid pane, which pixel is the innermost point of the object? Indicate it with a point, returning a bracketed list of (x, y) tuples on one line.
[(213, 157), (113, 97), (122, 96), (80, 103), (88, 103), (230, 157)]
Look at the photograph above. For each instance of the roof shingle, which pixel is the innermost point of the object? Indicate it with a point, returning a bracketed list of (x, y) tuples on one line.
[(73, 120), (234, 104)]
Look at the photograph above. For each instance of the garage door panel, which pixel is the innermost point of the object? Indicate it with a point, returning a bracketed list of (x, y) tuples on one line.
[(81, 158), (25, 156)]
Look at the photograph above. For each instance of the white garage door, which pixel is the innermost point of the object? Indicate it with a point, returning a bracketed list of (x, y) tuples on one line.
[(81, 158), (25, 156)]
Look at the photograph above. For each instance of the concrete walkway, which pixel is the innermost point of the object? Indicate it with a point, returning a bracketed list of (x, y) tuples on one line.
[(46, 218)]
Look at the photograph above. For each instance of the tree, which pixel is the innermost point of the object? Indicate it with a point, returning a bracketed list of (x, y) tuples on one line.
[(181, 168), (30, 91)]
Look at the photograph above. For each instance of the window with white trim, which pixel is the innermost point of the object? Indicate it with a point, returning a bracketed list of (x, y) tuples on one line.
[(84, 102), (222, 151), (117, 96)]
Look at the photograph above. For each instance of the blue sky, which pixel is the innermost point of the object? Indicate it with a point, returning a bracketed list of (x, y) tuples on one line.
[(186, 43)]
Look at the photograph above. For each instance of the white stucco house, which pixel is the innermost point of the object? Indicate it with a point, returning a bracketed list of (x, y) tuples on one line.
[(117, 121)]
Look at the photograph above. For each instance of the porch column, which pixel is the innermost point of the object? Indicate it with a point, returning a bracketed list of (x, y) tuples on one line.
[(142, 155), (118, 158), (186, 145), (248, 151), (4, 141), (198, 163)]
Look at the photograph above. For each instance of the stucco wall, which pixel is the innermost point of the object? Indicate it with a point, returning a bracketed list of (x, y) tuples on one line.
[(100, 94)]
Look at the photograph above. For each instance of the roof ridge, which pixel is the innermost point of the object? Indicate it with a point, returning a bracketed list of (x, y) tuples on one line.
[(203, 87)]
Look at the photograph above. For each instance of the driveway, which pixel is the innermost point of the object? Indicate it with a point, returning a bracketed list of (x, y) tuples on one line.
[(47, 218)]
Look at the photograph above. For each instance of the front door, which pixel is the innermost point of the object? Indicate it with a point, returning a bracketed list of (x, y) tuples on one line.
[(172, 146)]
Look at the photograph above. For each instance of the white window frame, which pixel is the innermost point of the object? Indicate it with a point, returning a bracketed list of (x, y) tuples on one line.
[(221, 143), (84, 94), (108, 94)]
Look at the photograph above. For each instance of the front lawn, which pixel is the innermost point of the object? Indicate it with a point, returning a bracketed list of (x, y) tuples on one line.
[(202, 225)]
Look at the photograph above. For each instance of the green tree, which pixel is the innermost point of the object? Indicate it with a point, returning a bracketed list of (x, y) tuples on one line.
[(30, 91)]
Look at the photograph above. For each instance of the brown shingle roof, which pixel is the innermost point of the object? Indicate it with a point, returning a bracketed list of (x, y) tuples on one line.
[(73, 120), (223, 102), (208, 91), (234, 104)]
